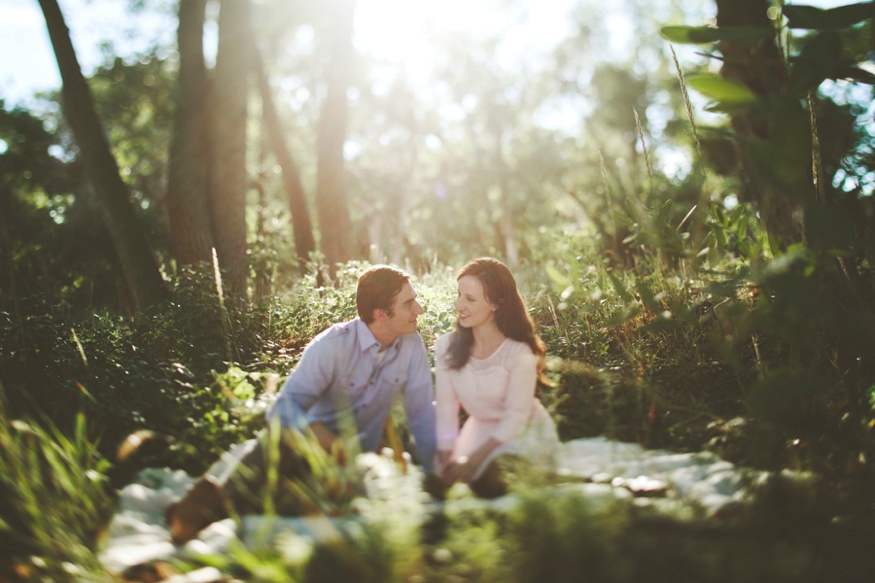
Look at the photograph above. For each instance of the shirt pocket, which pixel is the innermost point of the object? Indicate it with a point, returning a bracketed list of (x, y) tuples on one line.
[(353, 392), (387, 389)]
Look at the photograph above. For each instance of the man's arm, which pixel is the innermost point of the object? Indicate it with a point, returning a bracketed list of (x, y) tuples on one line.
[(418, 400), (306, 383)]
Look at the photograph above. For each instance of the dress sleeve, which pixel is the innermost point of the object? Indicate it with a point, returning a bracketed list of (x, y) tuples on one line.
[(447, 402), (523, 367)]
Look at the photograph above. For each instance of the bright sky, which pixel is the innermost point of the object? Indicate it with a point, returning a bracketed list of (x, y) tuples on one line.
[(384, 28), (393, 29)]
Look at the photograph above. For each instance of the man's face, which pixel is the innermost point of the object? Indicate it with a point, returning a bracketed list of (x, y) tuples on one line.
[(405, 310)]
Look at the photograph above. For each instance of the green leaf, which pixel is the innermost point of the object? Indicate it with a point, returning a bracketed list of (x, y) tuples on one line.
[(624, 316), (818, 60), (726, 91), (720, 234), (621, 289), (700, 35), (855, 74), (648, 298), (736, 214), (665, 212), (632, 209), (730, 108), (811, 17), (621, 217), (742, 226)]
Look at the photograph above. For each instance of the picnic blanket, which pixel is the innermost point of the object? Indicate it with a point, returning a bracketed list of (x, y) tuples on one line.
[(700, 484)]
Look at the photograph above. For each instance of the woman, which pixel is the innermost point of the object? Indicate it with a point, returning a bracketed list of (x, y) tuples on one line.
[(489, 366)]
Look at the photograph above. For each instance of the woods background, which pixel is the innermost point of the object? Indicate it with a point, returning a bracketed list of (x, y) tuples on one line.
[(690, 215)]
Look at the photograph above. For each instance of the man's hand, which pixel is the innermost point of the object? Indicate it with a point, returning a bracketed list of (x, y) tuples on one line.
[(325, 436)]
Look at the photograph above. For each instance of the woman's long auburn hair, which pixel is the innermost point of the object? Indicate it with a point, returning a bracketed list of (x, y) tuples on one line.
[(511, 315)]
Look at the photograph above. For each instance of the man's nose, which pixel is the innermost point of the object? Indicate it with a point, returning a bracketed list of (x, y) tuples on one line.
[(419, 310)]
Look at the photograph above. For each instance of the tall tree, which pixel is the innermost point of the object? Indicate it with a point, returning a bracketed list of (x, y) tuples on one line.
[(228, 110), (188, 181), (139, 265), (301, 225), (331, 203)]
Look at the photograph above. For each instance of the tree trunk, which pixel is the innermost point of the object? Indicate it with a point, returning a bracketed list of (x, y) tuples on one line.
[(139, 266), (331, 204), (7, 256), (228, 109), (188, 183), (303, 228), (760, 67), (511, 250)]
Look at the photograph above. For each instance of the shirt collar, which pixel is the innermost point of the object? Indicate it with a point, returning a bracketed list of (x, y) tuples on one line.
[(365, 336)]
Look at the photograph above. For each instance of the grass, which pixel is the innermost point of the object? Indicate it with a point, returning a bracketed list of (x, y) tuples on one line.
[(56, 499)]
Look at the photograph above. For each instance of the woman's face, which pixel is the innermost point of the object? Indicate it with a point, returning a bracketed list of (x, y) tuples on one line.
[(471, 303)]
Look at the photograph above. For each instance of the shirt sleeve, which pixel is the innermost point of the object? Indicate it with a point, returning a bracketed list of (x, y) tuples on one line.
[(418, 401), (447, 402), (310, 379), (521, 382)]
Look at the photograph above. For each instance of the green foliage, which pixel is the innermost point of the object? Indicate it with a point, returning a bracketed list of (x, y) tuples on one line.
[(155, 373), (558, 539), (55, 500)]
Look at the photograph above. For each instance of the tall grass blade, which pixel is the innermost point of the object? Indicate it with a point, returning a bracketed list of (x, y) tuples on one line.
[(79, 347), (688, 105), (643, 147), (815, 148), (226, 318), (686, 218)]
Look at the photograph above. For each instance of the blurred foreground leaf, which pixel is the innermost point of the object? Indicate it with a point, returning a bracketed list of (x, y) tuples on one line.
[(724, 90), (700, 35), (811, 17)]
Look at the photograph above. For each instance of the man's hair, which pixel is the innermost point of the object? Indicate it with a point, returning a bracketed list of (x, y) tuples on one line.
[(376, 290)]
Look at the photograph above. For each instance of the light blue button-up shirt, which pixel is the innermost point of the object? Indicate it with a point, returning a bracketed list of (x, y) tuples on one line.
[(339, 370)]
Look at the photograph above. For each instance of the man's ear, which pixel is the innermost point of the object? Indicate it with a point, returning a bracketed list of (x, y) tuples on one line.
[(380, 315)]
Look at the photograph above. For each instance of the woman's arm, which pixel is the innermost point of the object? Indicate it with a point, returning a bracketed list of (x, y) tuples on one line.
[(447, 406), (517, 409), (523, 377)]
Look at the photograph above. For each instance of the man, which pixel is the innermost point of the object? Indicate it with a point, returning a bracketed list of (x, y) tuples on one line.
[(362, 366), (354, 370)]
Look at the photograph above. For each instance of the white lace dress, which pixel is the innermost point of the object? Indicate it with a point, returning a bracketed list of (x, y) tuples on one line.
[(498, 394)]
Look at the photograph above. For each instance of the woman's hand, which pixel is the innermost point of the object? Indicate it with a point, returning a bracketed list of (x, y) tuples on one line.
[(456, 471), (464, 467), (441, 458)]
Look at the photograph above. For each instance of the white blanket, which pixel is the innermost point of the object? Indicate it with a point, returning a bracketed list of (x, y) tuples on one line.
[(699, 484)]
